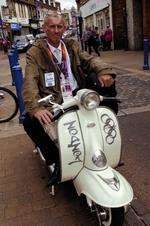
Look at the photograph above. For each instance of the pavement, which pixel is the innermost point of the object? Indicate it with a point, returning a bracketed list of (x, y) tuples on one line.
[(24, 198)]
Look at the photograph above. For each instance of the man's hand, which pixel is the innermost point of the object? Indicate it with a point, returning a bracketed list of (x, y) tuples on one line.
[(106, 80), (44, 116)]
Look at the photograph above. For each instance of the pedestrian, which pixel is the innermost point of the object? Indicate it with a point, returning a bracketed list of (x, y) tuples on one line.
[(85, 37), (47, 61), (103, 42), (108, 38), (5, 45), (94, 41)]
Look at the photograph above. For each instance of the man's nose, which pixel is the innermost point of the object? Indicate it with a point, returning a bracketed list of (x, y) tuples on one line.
[(56, 29)]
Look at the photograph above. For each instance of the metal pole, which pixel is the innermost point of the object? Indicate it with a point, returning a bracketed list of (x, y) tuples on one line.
[(18, 79), (146, 54)]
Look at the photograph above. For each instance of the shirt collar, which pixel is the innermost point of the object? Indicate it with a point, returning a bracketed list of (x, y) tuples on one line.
[(52, 48)]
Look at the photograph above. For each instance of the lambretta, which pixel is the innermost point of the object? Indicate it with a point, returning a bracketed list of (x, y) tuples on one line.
[(89, 143)]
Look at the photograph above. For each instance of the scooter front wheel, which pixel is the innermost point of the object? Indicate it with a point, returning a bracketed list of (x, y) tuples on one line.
[(108, 216)]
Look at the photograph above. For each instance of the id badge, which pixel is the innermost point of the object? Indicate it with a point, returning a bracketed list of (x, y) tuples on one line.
[(49, 79)]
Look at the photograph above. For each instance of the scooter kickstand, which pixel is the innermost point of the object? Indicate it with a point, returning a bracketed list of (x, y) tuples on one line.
[(52, 190)]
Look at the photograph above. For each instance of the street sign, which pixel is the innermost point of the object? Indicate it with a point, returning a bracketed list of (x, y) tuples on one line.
[(15, 26)]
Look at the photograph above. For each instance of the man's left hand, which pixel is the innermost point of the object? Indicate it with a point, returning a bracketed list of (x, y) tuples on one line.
[(106, 80)]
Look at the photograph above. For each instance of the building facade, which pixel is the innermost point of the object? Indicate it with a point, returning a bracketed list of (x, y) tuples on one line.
[(96, 13), (128, 24), (129, 20), (26, 16)]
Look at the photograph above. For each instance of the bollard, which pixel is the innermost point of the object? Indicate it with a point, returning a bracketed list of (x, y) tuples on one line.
[(13, 61), (14, 48), (18, 79), (146, 54)]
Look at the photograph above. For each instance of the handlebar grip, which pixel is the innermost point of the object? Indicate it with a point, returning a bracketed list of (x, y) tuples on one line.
[(60, 112), (57, 114), (111, 98)]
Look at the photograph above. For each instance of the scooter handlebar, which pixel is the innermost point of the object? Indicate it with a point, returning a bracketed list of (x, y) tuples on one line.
[(102, 98)]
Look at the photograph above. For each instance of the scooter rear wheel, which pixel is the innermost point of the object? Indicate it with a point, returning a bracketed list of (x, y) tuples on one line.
[(109, 216)]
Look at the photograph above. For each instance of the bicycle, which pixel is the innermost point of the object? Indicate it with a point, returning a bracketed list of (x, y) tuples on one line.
[(8, 105)]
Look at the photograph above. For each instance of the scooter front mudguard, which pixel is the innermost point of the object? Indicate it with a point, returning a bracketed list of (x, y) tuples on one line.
[(107, 188)]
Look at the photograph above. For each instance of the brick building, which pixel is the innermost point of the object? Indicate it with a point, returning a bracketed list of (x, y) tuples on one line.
[(127, 24), (131, 20)]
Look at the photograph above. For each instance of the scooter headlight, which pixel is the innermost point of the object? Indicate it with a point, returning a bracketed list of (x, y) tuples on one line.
[(90, 100), (99, 159)]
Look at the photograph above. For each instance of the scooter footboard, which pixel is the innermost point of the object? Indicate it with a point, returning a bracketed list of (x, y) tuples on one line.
[(107, 188)]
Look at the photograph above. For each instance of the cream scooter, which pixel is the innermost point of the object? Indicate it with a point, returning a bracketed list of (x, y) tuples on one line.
[(90, 149)]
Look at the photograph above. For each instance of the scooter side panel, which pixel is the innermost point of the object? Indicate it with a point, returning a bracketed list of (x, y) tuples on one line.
[(71, 146), (94, 185), (111, 135)]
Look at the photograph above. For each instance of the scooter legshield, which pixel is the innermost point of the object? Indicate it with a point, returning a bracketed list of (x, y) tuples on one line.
[(71, 146), (107, 188), (110, 133)]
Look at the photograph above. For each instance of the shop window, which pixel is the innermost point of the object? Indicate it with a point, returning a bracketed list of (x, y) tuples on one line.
[(101, 23)]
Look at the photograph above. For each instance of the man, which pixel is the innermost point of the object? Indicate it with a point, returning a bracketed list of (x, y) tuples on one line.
[(85, 38), (47, 60)]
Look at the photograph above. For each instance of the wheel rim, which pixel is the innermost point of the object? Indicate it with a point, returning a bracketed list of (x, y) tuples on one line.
[(111, 216), (103, 215), (8, 105)]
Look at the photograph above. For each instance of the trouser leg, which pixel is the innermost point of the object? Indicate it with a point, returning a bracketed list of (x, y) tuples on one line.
[(96, 49), (41, 139), (90, 48), (85, 45)]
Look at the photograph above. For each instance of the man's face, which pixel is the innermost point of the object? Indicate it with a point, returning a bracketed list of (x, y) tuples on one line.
[(54, 28)]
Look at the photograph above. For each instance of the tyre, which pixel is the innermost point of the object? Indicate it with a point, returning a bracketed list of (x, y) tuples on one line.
[(8, 105), (109, 216), (117, 216)]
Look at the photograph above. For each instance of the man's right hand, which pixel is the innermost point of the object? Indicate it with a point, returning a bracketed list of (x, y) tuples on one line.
[(44, 116)]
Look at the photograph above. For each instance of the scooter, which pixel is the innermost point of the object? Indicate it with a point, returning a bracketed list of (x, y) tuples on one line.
[(89, 144)]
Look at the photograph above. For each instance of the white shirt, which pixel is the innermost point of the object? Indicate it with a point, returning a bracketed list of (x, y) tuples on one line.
[(57, 52)]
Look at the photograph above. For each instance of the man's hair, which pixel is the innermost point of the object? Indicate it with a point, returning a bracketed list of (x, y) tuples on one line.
[(53, 13)]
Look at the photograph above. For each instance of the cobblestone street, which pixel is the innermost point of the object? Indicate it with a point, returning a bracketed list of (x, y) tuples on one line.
[(24, 198), (133, 91)]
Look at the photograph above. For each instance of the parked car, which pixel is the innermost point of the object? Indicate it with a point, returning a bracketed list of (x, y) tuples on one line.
[(41, 35), (30, 38), (70, 33), (22, 43)]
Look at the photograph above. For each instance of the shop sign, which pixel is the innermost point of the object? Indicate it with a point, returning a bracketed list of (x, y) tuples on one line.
[(23, 21), (15, 26), (93, 6), (31, 2)]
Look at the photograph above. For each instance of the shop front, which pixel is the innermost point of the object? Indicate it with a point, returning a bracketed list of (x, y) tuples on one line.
[(97, 14), (103, 19)]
